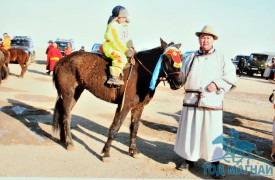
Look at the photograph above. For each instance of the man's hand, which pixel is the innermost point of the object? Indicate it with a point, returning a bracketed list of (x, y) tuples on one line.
[(211, 87)]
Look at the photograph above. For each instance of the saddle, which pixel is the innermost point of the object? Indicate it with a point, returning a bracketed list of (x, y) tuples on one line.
[(131, 60)]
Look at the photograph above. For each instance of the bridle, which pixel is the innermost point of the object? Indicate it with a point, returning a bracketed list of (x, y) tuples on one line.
[(169, 50), (176, 57)]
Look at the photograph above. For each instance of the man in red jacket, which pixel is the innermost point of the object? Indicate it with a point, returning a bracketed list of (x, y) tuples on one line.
[(54, 55), (68, 49)]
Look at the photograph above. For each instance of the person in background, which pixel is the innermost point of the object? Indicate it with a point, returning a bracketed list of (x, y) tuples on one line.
[(207, 77), (272, 100), (5, 46), (267, 70), (116, 45), (82, 48), (68, 49), (50, 42), (272, 69), (241, 65), (54, 55)]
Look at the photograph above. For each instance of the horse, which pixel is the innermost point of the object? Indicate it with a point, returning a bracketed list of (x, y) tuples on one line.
[(4, 71), (22, 58), (83, 70)]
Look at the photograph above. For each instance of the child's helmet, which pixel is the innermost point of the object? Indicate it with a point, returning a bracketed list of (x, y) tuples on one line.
[(118, 11)]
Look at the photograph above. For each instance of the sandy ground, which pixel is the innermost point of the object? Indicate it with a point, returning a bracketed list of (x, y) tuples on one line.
[(28, 150)]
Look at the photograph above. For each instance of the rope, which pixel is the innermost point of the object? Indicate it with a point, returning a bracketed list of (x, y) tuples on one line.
[(143, 66)]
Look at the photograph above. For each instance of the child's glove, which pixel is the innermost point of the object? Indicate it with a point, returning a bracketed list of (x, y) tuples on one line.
[(130, 52), (130, 44)]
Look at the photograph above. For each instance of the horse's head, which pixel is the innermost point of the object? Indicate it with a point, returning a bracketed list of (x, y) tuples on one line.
[(171, 64)]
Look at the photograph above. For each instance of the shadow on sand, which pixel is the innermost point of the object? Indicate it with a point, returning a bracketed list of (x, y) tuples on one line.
[(158, 151)]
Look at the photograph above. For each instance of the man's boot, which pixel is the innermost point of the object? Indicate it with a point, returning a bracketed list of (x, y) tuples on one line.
[(113, 80), (216, 176), (186, 165)]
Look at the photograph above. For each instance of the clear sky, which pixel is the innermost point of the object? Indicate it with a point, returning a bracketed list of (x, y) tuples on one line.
[(243, 26)]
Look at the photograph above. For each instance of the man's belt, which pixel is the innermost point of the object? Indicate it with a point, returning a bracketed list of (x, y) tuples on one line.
[(54, 58)]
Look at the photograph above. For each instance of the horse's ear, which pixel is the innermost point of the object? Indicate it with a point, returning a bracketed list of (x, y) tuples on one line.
[(177, 45), (163, 44)]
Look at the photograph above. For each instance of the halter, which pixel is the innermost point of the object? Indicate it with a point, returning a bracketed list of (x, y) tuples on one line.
[(176, 57), (175, 54)]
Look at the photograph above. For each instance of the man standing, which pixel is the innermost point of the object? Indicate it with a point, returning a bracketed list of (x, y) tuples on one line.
[(241, 65), (207, 77), (54, 55), (48, 58), (68, 49), (272, 100)]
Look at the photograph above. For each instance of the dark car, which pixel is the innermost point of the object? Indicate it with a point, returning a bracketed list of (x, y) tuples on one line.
[(257, 63), (237, 59), (25, 43), (62, 44)]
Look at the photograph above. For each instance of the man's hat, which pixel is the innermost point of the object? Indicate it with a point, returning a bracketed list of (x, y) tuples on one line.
[(207, 30), (50, 41)]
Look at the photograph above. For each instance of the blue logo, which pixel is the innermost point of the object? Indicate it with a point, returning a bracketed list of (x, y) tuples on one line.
[(239, 154)]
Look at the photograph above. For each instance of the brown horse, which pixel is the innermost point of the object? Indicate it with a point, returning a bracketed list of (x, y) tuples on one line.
[(22, 58), (83, 70), (4, 71)]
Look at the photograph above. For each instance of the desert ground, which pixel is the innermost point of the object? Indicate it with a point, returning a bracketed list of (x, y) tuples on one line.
[(27, 148)]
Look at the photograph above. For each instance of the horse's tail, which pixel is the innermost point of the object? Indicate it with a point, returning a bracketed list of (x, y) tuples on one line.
[(57, 116), (58, 106), (55, 71)]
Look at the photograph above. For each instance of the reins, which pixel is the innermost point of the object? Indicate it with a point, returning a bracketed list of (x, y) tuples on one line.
[(143, 65)]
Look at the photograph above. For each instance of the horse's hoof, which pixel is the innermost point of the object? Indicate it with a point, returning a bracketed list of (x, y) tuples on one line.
[(134, 152), (70, 147), (137, 156), (105, 157)]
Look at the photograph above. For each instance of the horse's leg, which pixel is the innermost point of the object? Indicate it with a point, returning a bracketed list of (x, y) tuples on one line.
[(117, 122), (23, 68), (135, 119), (62, 115), (68, 105)]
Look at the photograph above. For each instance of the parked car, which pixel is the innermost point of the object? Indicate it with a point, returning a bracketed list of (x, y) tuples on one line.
[(236, 60), (257, 62), (25, 43), (95, 48), (62, 44)]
